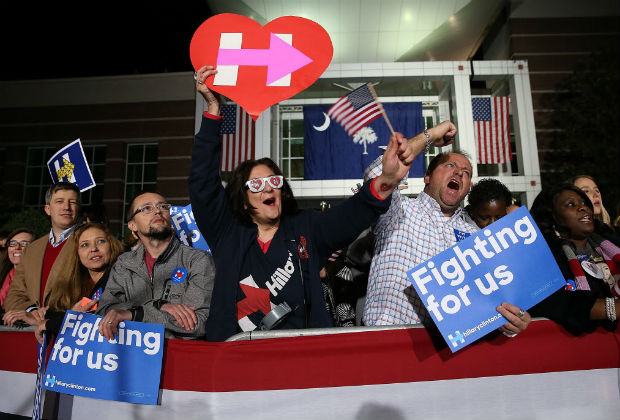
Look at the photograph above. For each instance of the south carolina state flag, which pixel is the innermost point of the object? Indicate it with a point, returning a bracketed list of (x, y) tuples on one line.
[(69, 165), (330, 153)]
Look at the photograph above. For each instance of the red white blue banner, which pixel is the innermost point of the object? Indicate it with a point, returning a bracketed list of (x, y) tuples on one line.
[(401, 373)]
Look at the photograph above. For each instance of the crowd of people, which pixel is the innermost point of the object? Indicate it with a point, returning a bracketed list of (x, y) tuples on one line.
[(274, 266)]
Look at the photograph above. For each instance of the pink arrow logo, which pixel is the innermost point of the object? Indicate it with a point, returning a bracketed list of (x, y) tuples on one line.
[(281, 58)]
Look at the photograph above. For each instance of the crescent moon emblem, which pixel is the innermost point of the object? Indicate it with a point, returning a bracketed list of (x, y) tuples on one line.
[(325, 124)]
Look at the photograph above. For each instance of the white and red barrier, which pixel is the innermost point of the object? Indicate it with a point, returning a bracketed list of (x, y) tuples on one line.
[(543, 373)]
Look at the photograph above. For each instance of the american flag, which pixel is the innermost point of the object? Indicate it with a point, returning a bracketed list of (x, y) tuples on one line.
[(237, 137), (356, 109), (492, 129)]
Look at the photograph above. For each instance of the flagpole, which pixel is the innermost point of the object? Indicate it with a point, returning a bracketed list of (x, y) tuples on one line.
[(374, 95)]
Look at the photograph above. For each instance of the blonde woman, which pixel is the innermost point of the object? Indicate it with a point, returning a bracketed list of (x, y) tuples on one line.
[(587, 184), (85, 276)]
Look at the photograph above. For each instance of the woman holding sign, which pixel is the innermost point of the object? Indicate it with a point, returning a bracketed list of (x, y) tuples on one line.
[(84, 278), (268, 254), (590, 262)]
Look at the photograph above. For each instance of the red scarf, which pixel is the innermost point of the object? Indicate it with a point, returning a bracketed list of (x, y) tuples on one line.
[(609, 252)]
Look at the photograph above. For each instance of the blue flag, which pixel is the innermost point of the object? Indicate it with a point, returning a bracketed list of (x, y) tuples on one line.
[(69, 165), (330, 153)]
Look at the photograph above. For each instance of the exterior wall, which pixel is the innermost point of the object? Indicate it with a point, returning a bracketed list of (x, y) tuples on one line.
[(113, 111), (162, 109), (553, 48)]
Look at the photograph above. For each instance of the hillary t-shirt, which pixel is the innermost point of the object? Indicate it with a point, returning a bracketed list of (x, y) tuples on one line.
[(268, 279)]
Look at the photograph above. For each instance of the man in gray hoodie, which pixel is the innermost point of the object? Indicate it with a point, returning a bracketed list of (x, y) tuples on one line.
[(161, 281)]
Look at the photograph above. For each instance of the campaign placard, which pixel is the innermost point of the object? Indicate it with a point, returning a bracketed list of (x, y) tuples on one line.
[(259, 65), (82, 362), (508, 261), (70, 165), (186, 228)]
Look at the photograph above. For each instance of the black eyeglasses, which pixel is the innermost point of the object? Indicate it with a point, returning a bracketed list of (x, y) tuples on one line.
[(150, 208), (23, 244)]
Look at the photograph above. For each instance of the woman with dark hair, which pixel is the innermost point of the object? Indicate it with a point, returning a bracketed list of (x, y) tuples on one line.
[(16, 242), (590, 262), (268, 254), (85, 275), (488, 200), (240, 201)]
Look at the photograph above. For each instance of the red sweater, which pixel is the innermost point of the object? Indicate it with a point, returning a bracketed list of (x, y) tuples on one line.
[(48, 261)]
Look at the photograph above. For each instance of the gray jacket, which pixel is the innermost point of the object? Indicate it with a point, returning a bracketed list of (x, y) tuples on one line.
[(129, 286)]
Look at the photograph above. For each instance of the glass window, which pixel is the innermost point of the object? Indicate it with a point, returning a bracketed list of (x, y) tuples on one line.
[(514, 158), (150, 171), (297, 168), (141, 170), (291, 158), (35, 156), (38, 177), (95, 156), (297, 147), (297, 128)]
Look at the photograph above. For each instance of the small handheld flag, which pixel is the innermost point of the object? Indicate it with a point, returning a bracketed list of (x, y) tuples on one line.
[(69, 165), (357, 109)]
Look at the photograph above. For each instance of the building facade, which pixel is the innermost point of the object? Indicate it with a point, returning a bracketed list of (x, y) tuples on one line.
[(137, 130)]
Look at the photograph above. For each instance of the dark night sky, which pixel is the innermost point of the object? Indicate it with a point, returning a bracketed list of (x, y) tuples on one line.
[(75, 39)]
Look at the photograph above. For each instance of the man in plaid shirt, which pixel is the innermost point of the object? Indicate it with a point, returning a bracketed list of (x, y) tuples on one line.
[(414, 230)]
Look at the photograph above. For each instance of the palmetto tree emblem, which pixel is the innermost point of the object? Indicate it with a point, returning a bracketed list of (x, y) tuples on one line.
[(365, 136)]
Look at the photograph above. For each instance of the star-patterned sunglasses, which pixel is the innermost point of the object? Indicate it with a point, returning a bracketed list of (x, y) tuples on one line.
[(258, 184)]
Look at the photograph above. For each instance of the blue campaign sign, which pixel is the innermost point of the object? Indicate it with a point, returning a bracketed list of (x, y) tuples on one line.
[(84, 363), (508, 261), (69, 165), (186, 228)]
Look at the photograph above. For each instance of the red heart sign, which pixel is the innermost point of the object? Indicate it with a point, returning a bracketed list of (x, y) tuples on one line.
[(261, 66)]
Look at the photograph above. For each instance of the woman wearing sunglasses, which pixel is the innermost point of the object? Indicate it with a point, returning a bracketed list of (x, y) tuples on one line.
[(268, 254)]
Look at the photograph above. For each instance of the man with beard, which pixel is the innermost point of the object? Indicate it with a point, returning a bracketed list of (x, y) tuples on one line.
[(162, 281), (414, 230)]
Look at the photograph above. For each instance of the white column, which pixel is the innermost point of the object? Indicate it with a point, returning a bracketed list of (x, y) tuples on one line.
[(262, 142), (461, 96), (523, 118)]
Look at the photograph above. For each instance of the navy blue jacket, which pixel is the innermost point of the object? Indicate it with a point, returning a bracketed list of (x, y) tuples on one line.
[(320, 234)]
